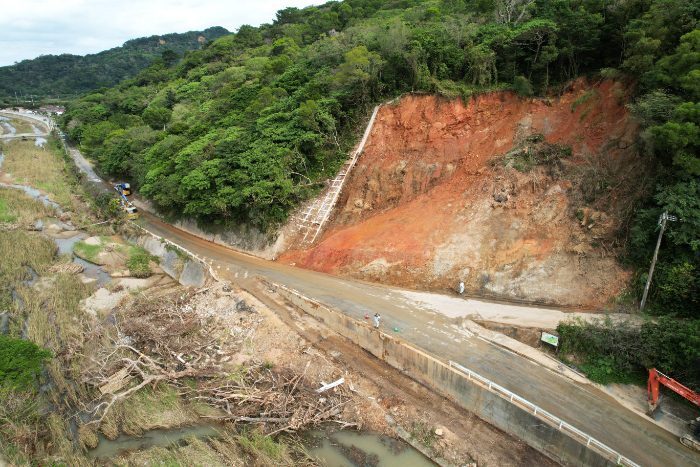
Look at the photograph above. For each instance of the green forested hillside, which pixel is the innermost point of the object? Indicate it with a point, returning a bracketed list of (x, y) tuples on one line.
[(68, 75), (246, 128)]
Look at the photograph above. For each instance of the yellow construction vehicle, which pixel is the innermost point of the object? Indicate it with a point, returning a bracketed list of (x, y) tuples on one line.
[(131, 211), (124, 189)]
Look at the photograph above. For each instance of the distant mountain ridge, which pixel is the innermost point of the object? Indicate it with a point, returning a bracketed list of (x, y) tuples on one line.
[(67, 74)]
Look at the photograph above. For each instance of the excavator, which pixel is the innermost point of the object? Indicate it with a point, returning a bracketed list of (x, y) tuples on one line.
[(124, 190), (656, 379)]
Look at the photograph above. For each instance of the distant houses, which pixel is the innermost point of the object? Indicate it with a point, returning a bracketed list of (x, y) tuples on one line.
[(52, 109)]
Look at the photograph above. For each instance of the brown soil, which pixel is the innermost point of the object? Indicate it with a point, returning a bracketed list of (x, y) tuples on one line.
[(265, 328), (432, 201), (526, 335), (382, 390)]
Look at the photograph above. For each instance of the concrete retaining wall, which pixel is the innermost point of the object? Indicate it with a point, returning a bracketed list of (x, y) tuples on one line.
[(239, 237), (187, 269), (454, 385)]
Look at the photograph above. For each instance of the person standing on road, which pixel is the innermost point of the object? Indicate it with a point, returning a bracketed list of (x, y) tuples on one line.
[(376, 320), (461, 287)]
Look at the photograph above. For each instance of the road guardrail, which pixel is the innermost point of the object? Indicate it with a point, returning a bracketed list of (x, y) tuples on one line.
[(546, 417)]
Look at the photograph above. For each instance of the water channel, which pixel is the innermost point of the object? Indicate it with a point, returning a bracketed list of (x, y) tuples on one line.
[(91, 270), (330, 448)]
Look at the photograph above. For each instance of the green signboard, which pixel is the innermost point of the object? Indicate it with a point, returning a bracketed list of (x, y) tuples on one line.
[(550, 339)]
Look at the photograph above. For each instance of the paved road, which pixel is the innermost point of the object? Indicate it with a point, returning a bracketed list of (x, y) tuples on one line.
[(583, 406)]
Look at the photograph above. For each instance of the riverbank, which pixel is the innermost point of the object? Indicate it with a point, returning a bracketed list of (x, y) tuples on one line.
[(78, 288)]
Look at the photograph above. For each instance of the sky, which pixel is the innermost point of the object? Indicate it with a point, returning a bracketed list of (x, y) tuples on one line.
[(29, 28)]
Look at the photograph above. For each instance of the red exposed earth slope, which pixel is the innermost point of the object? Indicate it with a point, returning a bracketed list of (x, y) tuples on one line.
[(432, 199)]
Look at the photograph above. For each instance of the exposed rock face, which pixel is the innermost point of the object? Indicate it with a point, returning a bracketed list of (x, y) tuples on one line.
[(448, 191)]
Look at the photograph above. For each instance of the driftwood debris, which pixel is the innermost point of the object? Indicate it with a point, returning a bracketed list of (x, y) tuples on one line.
[(116, 382), (66, 268), (167, 341)]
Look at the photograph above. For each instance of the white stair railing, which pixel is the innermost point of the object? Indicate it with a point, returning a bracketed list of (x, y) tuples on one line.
[(314, 218)]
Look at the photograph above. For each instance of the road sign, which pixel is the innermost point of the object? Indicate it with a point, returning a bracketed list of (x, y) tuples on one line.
[(550, 339)]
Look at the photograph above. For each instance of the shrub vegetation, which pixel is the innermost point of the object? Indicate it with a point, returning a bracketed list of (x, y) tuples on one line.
[(20, 362)]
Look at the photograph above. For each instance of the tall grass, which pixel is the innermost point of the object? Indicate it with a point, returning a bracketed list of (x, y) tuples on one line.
[(51, 313), (152, 408), (19, 249), (15, 206), (263, 449), (5, 215), (22, 126), (139, 262), (87, 251), (39, 167)]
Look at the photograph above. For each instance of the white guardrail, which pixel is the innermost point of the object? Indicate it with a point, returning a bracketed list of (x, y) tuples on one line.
[(515, 399), (547, 417)]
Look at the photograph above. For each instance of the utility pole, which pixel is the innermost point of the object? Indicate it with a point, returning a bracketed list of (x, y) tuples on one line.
[(663, 218)]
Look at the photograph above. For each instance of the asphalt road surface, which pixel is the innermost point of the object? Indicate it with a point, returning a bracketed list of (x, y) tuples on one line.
[(581, 405)]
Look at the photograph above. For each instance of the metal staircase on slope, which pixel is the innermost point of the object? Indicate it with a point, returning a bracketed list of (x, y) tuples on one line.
[(313, 219)]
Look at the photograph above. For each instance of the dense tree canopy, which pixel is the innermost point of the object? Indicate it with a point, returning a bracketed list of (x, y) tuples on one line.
[(67, 75), (246, 128)]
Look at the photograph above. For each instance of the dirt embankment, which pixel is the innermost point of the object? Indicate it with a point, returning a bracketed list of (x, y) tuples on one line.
[(519, 198)]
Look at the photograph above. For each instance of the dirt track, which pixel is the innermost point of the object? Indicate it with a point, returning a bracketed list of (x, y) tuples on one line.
[(584, 406)]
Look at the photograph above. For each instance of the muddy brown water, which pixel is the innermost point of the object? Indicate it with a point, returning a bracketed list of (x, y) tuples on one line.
[(335, 449), (110, 448), (360, 449)]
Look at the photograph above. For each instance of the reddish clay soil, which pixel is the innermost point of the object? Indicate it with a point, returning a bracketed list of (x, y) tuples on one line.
[(432, 200)]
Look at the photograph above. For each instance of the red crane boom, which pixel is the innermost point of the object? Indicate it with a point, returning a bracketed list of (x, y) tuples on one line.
[(656, 378)]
